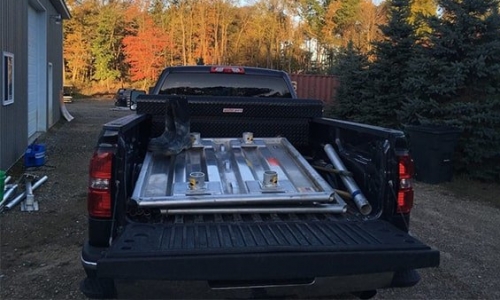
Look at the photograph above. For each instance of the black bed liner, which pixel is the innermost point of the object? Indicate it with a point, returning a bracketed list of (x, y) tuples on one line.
[(263, 250)]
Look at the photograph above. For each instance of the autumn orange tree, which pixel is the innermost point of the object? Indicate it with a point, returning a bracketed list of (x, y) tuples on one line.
[(78, 35), (123, 40), (145, 48)]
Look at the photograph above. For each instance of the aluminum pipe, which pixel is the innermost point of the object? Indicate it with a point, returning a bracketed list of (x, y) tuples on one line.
[(329, 208), (357, 196), (8, 193), (21, 196), (245, 199)]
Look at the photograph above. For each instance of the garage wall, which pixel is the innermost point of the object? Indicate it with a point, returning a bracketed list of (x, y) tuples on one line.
[(15, 134), (13, 117)]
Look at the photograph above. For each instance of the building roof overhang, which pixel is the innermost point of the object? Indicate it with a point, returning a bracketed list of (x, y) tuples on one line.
[(62, 8)]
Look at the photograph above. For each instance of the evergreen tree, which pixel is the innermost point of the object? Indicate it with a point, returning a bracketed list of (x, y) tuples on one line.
[(347, 15), (455, 81), (421, 9), (384, 89), (351, 69)]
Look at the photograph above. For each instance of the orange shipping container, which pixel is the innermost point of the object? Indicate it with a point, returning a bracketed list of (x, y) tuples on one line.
[(322, 87)]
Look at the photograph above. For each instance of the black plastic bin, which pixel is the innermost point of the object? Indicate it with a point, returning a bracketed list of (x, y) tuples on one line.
[(432, 148)]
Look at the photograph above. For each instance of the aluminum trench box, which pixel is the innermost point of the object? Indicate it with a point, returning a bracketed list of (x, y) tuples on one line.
[(249, 250), (235, 172)]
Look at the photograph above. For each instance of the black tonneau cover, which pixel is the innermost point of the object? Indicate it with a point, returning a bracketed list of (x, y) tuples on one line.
[(264, 250)]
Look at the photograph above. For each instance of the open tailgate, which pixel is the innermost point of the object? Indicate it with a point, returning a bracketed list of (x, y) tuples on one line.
[(262, 249)]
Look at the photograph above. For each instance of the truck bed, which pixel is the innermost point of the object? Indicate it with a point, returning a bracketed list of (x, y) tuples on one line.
[(236, 234)]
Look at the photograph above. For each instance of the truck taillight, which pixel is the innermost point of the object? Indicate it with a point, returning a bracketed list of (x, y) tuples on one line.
[(99, 194), (233, 70), (405, 192)]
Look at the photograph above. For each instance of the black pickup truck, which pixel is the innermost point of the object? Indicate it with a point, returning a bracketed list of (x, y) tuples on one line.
[(270, 194)]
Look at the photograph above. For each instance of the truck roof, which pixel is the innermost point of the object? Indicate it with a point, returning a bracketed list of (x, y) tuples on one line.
[(207, 68)]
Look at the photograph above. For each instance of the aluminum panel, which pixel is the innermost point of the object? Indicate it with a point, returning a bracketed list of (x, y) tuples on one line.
[(234, 173)]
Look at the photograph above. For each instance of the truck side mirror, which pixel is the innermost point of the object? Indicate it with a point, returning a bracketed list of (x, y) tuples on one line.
[(133, 98)]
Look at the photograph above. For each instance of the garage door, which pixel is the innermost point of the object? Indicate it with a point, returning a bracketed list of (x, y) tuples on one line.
[(37, 99)]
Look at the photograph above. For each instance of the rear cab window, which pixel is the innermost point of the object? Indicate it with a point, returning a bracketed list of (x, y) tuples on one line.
[(222, 84)]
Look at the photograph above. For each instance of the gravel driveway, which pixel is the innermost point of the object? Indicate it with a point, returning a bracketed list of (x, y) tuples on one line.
[(40, 251)]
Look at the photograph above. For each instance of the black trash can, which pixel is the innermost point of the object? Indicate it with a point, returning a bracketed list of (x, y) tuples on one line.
[(432, 149)]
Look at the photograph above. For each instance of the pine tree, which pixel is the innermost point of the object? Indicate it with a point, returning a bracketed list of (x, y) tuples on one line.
[(455, 79), (347, 15), (351, 69), (421, 9), (384, 89)]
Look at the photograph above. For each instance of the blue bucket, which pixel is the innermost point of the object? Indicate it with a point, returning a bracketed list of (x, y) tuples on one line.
[(34, 155)]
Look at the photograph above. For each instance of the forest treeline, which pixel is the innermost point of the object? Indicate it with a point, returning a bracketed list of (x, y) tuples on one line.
[(110, 41), (441, 72), (399, 63)]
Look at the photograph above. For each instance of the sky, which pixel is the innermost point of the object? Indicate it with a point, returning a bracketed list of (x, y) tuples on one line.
[(246, 2)]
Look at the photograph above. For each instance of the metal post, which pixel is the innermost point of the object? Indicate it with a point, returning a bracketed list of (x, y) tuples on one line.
[(359, 199), (29, 204), (327, 208), (8, 193)]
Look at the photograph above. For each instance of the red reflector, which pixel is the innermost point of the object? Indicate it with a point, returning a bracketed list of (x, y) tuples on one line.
[(233, 70), (100, 165), (406, 169), (99, 203), (405, 192), (405, 201), (99, 195)]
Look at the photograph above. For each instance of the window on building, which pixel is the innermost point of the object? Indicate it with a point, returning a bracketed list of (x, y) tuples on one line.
[(8, 78)]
